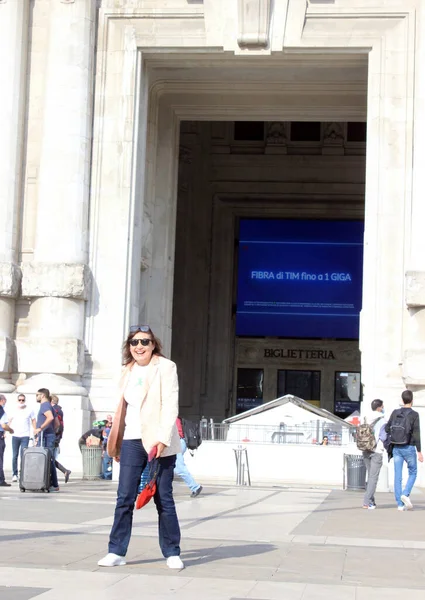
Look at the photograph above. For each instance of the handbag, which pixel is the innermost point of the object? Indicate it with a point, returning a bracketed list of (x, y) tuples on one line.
[(149, 490)]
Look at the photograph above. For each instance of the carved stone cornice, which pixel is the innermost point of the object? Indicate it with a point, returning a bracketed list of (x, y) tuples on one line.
[(334, 135), (276, 138), (333, 138), (276, 133), (253, 23)]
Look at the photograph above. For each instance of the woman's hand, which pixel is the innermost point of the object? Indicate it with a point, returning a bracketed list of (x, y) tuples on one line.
[(159, 449), (116, 458)]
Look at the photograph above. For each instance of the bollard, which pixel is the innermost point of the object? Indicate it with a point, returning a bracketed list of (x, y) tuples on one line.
[(242, 466)]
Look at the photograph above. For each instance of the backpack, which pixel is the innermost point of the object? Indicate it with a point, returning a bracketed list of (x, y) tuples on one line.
[(58, 423), (192, 434), (365, 439), (400, 428)]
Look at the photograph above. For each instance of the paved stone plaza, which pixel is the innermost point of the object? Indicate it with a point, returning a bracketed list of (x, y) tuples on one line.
[(266, 543)]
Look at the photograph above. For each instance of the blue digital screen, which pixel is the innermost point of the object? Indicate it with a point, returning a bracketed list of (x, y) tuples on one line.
[(299, 278)]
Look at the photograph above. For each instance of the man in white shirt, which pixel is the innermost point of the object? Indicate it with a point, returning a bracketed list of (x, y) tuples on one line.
[(3, 428), (373, 459), (23, 425)]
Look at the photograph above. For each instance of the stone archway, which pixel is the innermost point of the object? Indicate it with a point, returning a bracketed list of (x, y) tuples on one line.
[(138, 132)]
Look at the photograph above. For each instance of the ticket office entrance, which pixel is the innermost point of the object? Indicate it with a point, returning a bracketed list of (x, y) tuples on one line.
[(325, 374)]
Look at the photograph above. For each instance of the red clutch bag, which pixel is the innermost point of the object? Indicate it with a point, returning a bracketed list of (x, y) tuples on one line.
[(149, 490), (146, 494)]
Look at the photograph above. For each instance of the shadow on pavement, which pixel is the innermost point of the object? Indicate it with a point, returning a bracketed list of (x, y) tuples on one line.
[(207, 555), (38, 535)]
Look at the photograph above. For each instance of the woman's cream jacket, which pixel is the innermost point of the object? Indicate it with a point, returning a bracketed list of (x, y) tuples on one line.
[(159, 408)]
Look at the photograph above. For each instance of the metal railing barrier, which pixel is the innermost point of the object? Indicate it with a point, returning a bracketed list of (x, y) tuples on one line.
[(309, 433)]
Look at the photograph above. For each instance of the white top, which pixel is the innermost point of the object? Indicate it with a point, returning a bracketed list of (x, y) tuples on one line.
[(21, 422), (133, 397)]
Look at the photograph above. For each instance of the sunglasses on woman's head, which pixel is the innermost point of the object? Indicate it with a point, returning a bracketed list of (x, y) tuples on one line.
[(143, 341), (144, 328)]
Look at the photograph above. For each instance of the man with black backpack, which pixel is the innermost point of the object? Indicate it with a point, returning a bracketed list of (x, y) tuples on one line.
[(404, 432)]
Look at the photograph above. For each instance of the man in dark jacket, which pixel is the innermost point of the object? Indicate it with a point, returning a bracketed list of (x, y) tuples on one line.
[(96, 431), (403, 428)]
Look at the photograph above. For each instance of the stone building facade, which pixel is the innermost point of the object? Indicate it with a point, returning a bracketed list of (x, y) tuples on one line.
[(120, 182)]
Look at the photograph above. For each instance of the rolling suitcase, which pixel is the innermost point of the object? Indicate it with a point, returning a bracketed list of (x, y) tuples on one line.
[(35, 469)]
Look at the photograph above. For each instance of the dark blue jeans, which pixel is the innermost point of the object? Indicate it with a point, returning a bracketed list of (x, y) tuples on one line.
[(18, 443), (49, 442), (133, 460)]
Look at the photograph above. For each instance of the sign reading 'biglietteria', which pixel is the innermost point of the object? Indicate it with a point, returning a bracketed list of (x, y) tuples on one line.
[(299, 353)]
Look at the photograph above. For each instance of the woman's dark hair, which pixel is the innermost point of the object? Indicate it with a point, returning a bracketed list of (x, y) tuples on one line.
[(126, 354)]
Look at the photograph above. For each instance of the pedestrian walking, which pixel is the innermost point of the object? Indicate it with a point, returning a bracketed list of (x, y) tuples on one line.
[(181, 469), (144, 421), (4, 426), (45, 432), (373, 458), (24, 424), (106, 459), (59, 429), (403, 428)]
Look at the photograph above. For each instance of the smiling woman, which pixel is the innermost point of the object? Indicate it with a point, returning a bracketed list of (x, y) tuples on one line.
[(145, 421), (140, 345)]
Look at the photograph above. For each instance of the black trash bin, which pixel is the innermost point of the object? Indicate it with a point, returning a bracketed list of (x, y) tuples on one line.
[(355, 472)]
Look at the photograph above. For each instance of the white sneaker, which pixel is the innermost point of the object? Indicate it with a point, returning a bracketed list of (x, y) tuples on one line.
[(112, 560), (175, 562), (401, 508), (407, 502), (14, 479)]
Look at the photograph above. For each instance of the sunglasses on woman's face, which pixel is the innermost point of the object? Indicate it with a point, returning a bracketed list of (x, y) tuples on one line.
[(143, 341), (144, 328)]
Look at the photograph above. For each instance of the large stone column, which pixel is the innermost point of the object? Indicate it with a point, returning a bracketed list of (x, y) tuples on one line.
[(13, 63), (57, 280), (414, 342)]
